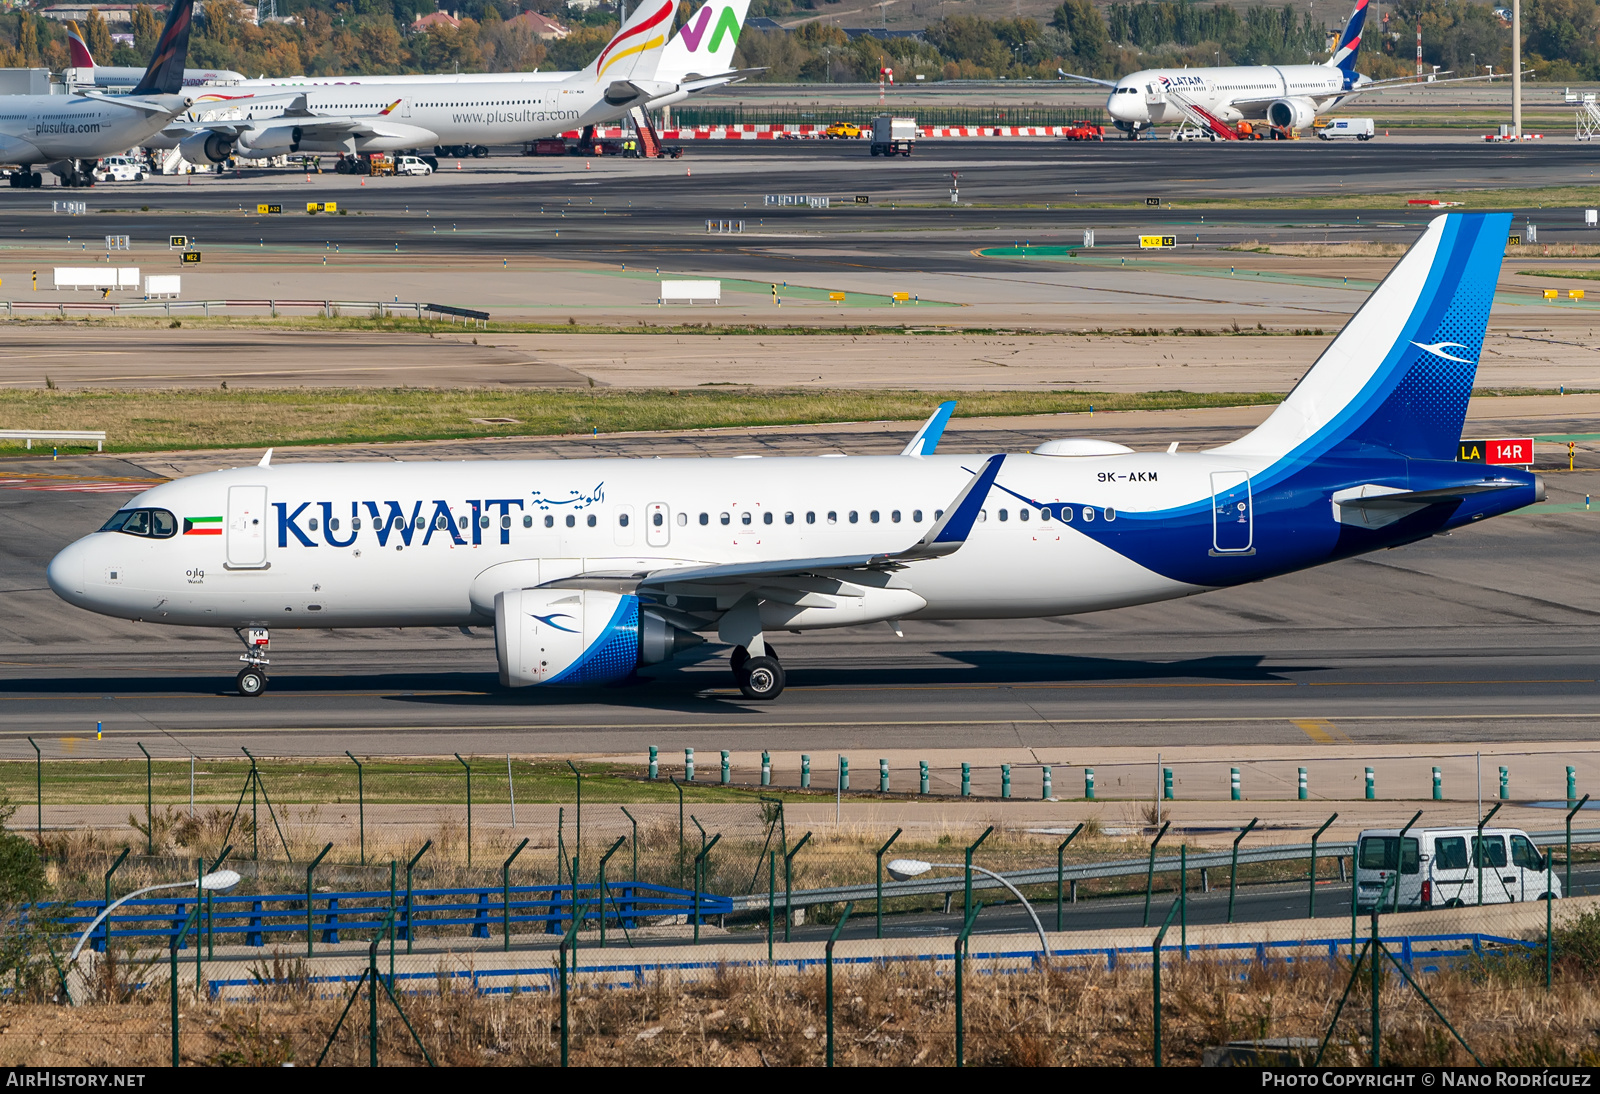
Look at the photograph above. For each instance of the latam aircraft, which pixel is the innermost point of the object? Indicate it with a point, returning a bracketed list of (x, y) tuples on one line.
[(424, 113), (70, 132), (1213, 99), (85, 73), (589, 569)]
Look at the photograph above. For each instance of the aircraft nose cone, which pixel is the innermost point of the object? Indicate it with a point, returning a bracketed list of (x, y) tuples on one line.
[(65, 573)]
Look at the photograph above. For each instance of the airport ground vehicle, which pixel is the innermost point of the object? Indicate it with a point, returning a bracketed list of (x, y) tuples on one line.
[(546, 146), (120, 169), (843, 131), (1440, 868), (380, 163), (1085, 132), (411, 165), (893, 136), (1361, 129)]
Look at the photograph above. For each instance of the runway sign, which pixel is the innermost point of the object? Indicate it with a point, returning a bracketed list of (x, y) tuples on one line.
[(1157, 243), (1152, 201), (268, 210), (1505, 452), (177, 243), (191, 258)]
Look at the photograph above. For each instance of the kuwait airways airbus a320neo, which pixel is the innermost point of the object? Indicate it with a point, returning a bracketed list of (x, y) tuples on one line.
[(588, 569)]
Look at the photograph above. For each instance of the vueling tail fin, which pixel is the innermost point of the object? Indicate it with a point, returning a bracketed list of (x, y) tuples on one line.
[(1344, 55), (637, 45), (78, 49), (704, 45), (1400, 373)]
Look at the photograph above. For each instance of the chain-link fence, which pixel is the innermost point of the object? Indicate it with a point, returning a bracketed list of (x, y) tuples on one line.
[(383, 909)]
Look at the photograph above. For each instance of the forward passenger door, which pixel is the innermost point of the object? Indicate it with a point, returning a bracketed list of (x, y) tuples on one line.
[(247, 528)]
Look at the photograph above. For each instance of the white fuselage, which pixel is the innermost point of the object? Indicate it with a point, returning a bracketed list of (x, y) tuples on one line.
[(46, 128), (1152, 96), (450, 114), (314, 545)]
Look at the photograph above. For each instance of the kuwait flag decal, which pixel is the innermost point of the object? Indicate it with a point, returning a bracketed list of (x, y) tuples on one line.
[(202, 526)]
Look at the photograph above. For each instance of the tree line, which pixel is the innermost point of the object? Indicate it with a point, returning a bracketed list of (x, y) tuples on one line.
[(1562, 40)]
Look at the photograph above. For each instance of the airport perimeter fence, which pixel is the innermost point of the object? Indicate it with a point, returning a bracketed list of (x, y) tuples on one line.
[(616, 919)]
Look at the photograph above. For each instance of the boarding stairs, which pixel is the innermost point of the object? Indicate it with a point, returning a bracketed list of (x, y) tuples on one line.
[(649, 139), (1194, 114), (1588, 118)]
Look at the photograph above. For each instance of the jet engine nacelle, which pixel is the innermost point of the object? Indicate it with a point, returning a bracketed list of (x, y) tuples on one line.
[(206, 148), (277, 140), (1291, 113), (578, 636)]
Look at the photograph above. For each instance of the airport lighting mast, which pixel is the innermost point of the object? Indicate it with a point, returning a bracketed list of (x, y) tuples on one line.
[(1516, 69)]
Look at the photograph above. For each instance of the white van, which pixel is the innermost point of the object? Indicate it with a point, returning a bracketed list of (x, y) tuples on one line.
[(1361, 129), (411, 165), (120, 169), (1437, 871)]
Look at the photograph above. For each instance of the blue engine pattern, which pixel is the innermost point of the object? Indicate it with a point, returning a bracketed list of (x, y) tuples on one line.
[(614, 655)]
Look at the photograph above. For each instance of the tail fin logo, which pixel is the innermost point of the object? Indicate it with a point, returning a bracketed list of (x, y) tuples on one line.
[(1437, 349), (634, 40), (694, 30), (78, 48)]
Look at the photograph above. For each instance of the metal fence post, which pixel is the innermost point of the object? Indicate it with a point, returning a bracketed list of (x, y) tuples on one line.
[(38, 790), (1567, 888), (966, 892), (699, 865), (1477, 848), (961, 961), (1155, 967), (1400, 857), (788, 883), (772, 899), (361, 804), (1183, 899), (635, 844), (1150, 873), (577, 839), (309, 871), (468, 766), (568, 939), (173, 972), (602, 889), (674, 780), (410, 931), (106, 936), (1311, 912), (881, 851), (1549, 920), (1233, 870), (828, 1005), (505, 893), (1061, 869), (149, 799)]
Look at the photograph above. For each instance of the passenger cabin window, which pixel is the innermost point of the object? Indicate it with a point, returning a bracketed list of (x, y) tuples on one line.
[(873, 516), (683, 519), (153, 523), (1450, 853), (1493, 852), (744, 518), (572, 521), (549, 522), (1024, 514), (833, 517), (855, 517), (1383, 852), (766, 518), (916, 516), (1005, 515), (1111, 514), (705, 518), (811, 518), (591, 521), (656, 519), (895, 516), (725, 518), (505, 521), (622, 519), (788, 518)]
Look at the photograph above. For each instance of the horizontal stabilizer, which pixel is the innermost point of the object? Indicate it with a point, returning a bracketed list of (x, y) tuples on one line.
[(1374, 506)]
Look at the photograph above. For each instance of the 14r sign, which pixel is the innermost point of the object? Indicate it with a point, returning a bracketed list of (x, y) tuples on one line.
[(1513, 451)]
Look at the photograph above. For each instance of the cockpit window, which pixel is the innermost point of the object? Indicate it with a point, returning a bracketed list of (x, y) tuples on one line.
[(155, 523)]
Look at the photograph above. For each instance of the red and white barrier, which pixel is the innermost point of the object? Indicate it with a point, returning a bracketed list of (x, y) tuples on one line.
[(814, 132)]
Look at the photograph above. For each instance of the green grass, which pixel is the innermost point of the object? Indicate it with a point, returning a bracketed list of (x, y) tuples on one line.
[(1487, 198), (1576, 275), (186, 419)]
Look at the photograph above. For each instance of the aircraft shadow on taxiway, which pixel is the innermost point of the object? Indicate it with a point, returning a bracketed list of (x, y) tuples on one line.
[(682, 684)]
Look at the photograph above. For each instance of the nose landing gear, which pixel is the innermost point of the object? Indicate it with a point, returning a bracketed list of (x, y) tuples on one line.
[(759, 677), (252, 679)]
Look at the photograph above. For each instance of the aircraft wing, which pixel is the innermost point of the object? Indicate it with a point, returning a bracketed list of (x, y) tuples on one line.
[(798, 576), (1085, 79)]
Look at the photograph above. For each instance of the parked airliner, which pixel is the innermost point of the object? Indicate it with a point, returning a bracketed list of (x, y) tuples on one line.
[(423, 112), (1215, 99), (70, 132), (589, 569)]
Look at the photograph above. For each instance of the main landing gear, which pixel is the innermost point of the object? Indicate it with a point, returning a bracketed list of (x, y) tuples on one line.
[(252, 679), (759, 677)]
